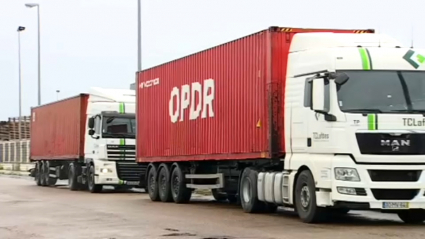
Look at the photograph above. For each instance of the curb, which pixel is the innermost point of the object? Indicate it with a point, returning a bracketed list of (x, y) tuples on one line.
[(15, 173)]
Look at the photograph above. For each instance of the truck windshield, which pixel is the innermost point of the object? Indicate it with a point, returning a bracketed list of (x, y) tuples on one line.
[(383, 92), (118, 127)]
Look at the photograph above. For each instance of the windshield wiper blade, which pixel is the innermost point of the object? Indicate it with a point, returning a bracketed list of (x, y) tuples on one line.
[(409, 111), (363, 110), (120, 135)]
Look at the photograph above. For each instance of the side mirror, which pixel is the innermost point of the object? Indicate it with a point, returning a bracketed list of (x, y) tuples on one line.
[(91, 123), (91, 132), (341, 78), (318, 98)]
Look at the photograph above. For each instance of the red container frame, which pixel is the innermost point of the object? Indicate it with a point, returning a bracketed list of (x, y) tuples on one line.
[(58, 129)]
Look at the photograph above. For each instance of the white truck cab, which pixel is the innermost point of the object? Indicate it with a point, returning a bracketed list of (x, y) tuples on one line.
[(355, 127), (110, 140)]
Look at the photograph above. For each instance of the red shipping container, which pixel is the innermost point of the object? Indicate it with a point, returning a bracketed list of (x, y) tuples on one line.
[(222, 103), (58, 129)]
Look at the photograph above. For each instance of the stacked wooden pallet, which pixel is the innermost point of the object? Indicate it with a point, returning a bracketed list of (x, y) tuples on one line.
[(14, 128), (4, 131), (9, 130)]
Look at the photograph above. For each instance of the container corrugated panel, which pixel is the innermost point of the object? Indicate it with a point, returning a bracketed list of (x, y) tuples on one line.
[(244, 82), (58, 129)]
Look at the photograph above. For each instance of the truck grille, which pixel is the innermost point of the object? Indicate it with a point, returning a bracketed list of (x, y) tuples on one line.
[(130, 171), (395, 194), (395, 175), (387, 144), (121, 152)]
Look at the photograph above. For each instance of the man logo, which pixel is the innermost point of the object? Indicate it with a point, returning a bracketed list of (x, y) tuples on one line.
[(395, 144)]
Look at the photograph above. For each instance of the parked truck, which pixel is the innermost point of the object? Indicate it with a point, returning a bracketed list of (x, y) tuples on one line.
[(88, 139), (319, 120)]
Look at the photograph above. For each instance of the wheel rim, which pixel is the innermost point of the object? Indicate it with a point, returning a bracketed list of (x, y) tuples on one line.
[(305, 196), (176, 185), (246, 190)]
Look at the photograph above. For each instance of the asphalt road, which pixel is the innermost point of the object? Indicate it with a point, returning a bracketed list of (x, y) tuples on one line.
[(28, 211)]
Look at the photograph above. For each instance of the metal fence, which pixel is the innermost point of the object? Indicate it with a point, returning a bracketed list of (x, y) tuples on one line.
[(16, 151)]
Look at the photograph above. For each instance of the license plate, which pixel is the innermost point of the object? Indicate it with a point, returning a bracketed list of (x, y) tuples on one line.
[(133, 183), (395, 205)]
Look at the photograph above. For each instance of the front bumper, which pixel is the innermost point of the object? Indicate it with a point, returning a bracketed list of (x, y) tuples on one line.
[(383, 193), (118, 173)]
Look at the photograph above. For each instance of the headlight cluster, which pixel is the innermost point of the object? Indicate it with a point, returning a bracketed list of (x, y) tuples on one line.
[(106, 170), (347, 174)]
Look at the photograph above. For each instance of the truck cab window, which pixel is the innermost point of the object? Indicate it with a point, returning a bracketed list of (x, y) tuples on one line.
[(383, 91), (123, 126), (97, 125)]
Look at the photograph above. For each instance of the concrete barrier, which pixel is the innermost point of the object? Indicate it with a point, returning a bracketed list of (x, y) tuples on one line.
[(16, 168)]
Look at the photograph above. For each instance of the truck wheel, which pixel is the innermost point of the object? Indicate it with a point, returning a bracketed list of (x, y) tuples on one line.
[(43, 174), (52, 181), (46, 166), (92, 186), (72, 178), (152, 185), (179, 191), (413, 216), (37, 177), (49, 180), (164, 184), (305, 199), (218, 196), (248, 191)]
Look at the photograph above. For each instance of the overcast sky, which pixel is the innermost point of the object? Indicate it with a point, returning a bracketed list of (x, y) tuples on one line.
[(87, 43)]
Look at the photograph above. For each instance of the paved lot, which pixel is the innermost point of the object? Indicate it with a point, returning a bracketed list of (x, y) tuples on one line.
[(28, 211)]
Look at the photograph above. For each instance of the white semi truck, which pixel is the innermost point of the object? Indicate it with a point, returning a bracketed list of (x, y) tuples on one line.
[(324, 121), (88, 139), (355, 107)]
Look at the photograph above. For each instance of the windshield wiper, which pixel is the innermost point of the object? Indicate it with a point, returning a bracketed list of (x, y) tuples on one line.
[(120, 135), (363, 110), (410, 111)]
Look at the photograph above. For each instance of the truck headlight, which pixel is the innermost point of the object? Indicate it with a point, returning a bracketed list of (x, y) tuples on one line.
[(347, 174), (106, 170)]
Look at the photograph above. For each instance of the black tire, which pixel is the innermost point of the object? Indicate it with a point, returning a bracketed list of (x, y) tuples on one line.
[(72, 178), (305, 199), (49, 180), (37, 175), (91, 184), (218, 196), (43, 174), (248, 192), (52, 181), (151, 184), (164, 184), (179, 191), (413, 216), (46, 166)]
